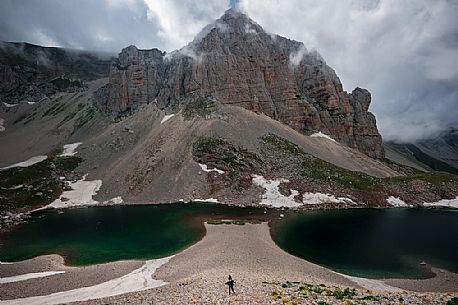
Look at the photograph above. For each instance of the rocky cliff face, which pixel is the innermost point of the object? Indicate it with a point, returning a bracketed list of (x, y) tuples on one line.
[(443, 147), (30, 73), (439, 153), (239, 63)]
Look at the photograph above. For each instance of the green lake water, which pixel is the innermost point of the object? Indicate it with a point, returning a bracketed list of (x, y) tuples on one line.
[(373, 243), (104, 234), (362, 242)]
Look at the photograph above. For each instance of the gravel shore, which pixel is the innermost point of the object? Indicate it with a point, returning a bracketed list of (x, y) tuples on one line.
[(264, 274), (74, 277)]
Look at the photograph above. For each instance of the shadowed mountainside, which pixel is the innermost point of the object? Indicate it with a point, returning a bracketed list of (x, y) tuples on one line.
[(30, 73), (439, 153)]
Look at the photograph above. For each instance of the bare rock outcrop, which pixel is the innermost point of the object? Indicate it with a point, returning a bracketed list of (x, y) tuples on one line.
[(239, 63), (32, 73)]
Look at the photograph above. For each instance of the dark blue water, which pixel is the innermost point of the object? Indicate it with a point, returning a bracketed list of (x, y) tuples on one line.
[(373, 243)]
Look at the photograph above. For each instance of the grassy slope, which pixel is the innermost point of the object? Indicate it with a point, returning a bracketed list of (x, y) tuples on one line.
[(39, 184), (280, 158)]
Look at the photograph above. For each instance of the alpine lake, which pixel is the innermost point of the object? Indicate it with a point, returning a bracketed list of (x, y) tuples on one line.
[(373, 243)]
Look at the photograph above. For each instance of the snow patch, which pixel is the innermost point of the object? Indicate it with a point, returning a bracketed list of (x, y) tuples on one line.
[(2, 124), (371, 284), (448, 203), (213, 200), (397, 202), (27, 163), (115, 200), (319, 198), (31, 103), (70, 149), (5, 263), (272, 195), (319, 134), (27, 276), (9, 105), (205, 169), (80, 195), (167, 117), (137, 280)]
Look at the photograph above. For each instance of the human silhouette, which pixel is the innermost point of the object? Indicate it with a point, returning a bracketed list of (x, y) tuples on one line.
[(231, 284)]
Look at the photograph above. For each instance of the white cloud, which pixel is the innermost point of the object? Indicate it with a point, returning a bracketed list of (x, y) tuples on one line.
[(404, 52), (296, 57), (107, 25), (45, 39), (121, 4), (180, 21), (439, 66)]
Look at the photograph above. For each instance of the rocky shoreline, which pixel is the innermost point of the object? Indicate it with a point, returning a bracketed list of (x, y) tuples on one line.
[(9, 220), (264, 273)]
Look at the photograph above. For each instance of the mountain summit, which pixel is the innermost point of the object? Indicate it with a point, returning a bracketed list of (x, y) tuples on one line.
[(236, 62), (239, 63), (238, 115)]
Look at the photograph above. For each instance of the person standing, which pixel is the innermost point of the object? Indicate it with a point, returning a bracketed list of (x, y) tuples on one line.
[(230, 283)]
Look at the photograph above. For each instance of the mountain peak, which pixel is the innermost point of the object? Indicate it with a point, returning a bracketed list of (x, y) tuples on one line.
[(238, 63), (236, 18), (233, 21), (234, 13)]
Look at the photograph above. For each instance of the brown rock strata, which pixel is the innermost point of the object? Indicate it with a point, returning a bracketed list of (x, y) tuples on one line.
[(239, 63)]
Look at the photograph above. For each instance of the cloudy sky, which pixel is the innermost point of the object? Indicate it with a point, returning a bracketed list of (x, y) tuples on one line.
[(405, 52)]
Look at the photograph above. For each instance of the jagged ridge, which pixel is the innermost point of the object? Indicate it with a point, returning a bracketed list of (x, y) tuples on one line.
[(241, 64), (31, 73)]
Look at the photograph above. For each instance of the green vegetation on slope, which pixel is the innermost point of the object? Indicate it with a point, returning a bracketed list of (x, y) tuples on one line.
[(372, 190), (237, 163), (304, 293), (194, 104), (239, 222), (280, 158), (64, 83), (200, 105), (285, 154), (25, 188), (89, 113)]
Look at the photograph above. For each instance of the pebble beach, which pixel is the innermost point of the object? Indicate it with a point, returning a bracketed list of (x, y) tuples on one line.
[(264, 274)]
